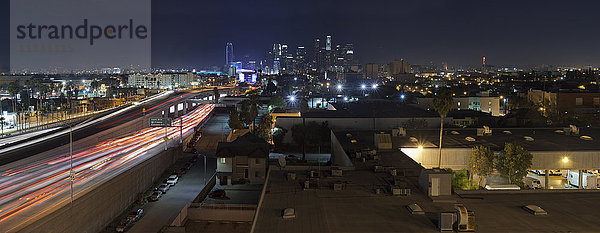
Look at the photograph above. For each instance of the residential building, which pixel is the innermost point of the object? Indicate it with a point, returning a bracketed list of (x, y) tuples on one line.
[(242, 160)]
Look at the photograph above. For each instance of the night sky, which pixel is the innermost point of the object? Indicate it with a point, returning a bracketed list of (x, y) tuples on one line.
[(191, 33)]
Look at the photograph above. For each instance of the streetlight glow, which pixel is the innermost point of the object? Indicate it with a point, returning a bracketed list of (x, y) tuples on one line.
[(374, 86), (339, 86), (565, 159), (363, 86)]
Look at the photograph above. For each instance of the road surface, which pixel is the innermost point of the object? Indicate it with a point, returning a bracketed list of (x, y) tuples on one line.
[(30, 191)]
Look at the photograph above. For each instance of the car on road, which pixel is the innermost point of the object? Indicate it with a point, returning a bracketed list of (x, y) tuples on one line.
[(163, 188), (172, 180), (124, 225), (155, 196), (217, 193), (135, 215)]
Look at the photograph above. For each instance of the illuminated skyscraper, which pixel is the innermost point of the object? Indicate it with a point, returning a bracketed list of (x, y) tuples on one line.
[(328, 43), (228, 54), (301, 58), (276, 58), (348, 53), (316, 61)]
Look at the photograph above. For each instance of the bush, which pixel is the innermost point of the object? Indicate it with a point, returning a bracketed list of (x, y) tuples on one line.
[(461, 181)]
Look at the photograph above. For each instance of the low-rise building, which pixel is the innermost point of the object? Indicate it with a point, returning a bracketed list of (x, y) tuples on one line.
[(162, 80), (242, 160), (487, 104)]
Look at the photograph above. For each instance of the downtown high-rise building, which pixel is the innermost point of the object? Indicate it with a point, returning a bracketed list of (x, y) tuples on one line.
[(276, 59), (316, 59), (300, 64), (348, 53), (329, 54), (228, 54)]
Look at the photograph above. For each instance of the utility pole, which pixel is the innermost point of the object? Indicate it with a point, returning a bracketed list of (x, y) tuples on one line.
[(71, 157)]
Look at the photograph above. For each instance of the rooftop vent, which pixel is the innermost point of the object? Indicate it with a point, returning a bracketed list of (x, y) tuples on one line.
[(470, 139), (572, 130), (529, 139), (535, 210), (485, 131)]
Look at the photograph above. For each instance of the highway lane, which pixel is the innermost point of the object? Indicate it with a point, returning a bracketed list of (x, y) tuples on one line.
[(94, 126), (31, 190)]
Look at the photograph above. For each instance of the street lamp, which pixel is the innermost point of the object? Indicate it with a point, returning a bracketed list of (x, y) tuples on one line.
[(363, 86), (374, 86), (339, 87)]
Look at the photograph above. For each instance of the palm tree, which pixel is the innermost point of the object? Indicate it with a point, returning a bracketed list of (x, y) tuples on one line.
[(14, 88), (216, 93), (443, 103)]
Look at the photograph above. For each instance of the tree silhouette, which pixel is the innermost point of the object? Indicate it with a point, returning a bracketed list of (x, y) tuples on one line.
[(442, 103)]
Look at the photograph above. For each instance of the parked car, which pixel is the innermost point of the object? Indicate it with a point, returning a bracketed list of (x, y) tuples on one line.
[(123, 225), (163, 188), (172, 180), (155, 196), (532, 183), (217, 193), (182, 171), (135, 215)]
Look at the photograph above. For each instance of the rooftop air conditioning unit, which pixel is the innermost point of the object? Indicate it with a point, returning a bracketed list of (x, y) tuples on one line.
[(574, 130)]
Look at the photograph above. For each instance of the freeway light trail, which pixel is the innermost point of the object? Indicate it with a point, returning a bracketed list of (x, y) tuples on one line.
[(40, 182)]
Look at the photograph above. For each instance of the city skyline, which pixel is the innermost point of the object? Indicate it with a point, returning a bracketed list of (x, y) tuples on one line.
[(508, 34)]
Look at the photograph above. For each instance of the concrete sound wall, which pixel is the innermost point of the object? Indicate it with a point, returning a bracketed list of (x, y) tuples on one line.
[(93, 211)]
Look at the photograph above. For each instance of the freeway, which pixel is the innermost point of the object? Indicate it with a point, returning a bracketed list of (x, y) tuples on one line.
[(29, 191), (93, 126)]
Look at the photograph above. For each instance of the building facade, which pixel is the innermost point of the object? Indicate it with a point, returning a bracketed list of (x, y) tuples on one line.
[(162, 80)]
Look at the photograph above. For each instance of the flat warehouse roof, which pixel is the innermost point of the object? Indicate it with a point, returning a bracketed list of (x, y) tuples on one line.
[(532, 139)]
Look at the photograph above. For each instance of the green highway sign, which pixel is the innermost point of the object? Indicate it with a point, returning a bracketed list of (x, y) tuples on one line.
[(160, 122)]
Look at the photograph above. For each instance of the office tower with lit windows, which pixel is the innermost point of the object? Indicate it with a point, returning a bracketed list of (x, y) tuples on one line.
[(276, 58), (316, 59), (348, 53), (228, 54), (300, 59)]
